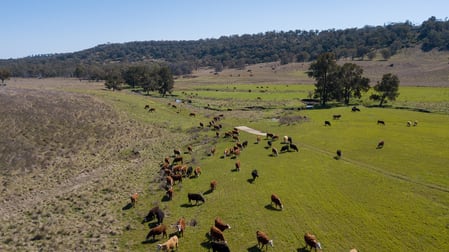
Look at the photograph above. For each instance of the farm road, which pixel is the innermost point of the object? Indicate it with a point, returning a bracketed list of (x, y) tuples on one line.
[(361, 164)]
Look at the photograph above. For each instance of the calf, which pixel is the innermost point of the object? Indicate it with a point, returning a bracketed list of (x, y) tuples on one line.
[(277, 201), (181, 226), (154, 212), (274, 151), (263, 239), (216, 234), (294, 147), (161, 229), (380, 145), (311, 241), (219, 246), (171, 244), (380, 122), (255, 174), (237, 165), (196, 197), (284, 148), (213, 185), (134, 198), (327, 123), (221, 225)]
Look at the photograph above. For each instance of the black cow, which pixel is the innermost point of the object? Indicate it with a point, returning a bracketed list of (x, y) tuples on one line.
[(196, 197), (380, 122), (255, 174), (154, 212), (327, 123), (284, 148), (294, 147)]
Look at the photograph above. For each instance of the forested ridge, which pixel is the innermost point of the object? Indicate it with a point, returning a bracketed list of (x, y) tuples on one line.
[(237, 51)]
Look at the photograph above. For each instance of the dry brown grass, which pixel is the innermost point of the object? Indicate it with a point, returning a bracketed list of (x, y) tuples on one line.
[(65, 158)]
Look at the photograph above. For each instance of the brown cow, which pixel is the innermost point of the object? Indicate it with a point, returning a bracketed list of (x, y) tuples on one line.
[(216, 234), (380, 145), (213, 185), (212, 151), (171, 244), (177, 160), (311, 241), (258, 139), (134, 198), (263, 239), (277, 201), (181, 226), (177, 177), (197, 171), (177, 152), (221, 225), (237, 165), (161, 229), (190, 149)]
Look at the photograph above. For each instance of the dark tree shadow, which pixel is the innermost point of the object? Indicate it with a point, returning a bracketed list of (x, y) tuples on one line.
[(271, 207), (127, 207)]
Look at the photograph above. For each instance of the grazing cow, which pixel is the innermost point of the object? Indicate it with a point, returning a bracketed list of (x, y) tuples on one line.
[(169, 181), (354, 109), (270, 135), (245, 144), (338, 154), (221, 225), (275, 137), (294, 147), (212, 151), (189, 171), (415, 123), (327, 123), (178, 160), (177, 152), (290, 140), (409, 123), (274, 151), (269, 143), (216, 234), (176, 177), (380, 122), (258, 139), (237, 165), (161, 229), (197, 171), (155, 212), (284, 148), (380, 145), (201, 125), (263, 239), (217, 134), (181, 226), (236, 138), (236, 152), (192, 114), (171, 244), (169, 193), (196, 197), (255, 174), (336, 117), (277, 201), (151, 110), (167, 160), (134, 198), (190, 149), (147, 106), (311, 241), (219, 246), (213, 185), (239, 145)]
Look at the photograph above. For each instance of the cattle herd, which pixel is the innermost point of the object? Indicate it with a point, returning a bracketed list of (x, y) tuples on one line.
[(174, 168)]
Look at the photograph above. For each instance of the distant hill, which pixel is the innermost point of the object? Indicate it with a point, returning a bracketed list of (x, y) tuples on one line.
[(237, 51)]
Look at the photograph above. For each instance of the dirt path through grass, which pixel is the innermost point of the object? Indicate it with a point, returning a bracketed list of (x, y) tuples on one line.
[(250, 130)]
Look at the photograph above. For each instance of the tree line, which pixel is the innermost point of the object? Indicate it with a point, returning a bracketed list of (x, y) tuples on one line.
[(182, 57)]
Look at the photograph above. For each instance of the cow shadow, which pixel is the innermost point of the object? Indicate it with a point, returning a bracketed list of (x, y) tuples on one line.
[(188, 205), (127, 207), (303, 249), (234, 170), (271, 207), (250, 180), (149, 241), (208, 191), (206, 245), (253, 249), (165, 198)]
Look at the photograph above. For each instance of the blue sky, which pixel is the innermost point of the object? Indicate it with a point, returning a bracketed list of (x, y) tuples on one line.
[(30, 27)]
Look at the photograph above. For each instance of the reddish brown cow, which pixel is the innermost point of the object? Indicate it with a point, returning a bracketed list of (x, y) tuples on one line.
[(181, 226), (169, 181), (216, 234), (197, 171), (263, 239), (189, 149), (311, 241), (178, 160), (161, 229), (221, 225), (277, 201), (177, 177), (177, 152), (167, 160), (134, 198), (237, 165), (213, 185)]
